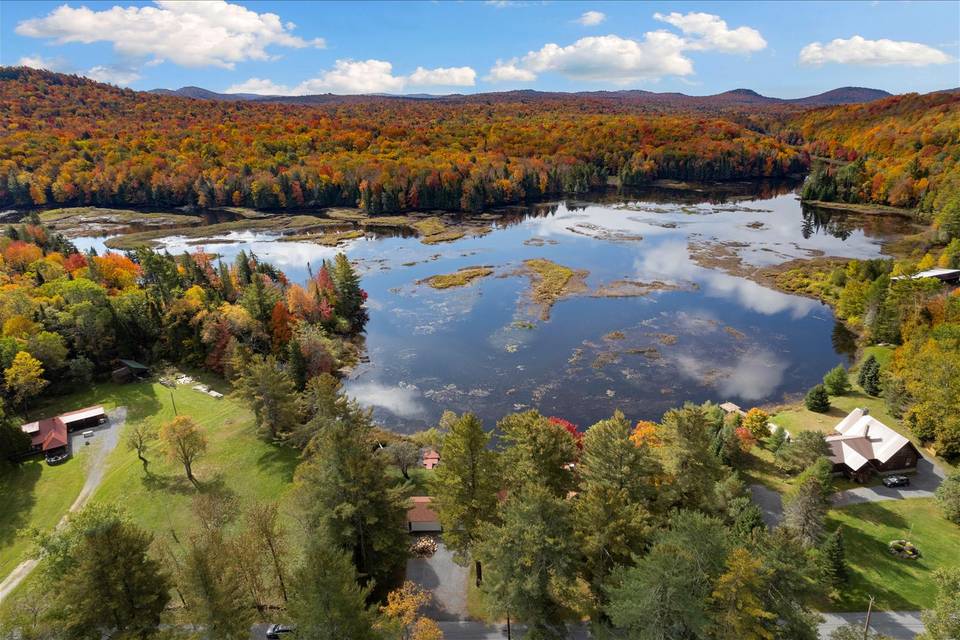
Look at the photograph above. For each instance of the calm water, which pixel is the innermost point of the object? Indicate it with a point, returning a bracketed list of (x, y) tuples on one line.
[(483, 348)]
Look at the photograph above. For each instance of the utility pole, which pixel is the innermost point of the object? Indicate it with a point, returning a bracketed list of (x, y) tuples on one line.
[(866, 624), (509, 636), (171, 385)]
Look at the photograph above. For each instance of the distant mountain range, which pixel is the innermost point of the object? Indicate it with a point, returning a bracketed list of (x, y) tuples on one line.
[(736, 97)]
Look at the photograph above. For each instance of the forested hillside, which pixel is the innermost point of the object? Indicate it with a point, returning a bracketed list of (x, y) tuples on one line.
[(72, 141), (903, 151)]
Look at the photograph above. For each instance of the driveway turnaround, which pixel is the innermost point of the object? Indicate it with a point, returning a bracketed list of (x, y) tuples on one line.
[(443, 578), (104, 441), (928, 477)]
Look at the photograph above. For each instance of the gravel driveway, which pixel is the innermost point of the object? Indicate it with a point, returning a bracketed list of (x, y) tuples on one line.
[(445, 579), (104, 441), (770, 503), (928, 477)]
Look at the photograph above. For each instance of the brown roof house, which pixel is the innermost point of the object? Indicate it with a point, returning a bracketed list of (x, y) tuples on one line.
[(862, 446), (421, 518), (49, 436)]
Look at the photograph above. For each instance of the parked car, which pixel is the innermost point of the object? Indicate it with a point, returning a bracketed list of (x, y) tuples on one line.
[(278, 631), (896, 481), (57, 458), (88, 434)]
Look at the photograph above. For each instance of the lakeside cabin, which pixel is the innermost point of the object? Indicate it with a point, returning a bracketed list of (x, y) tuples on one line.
[(50, 436), (863, 446)]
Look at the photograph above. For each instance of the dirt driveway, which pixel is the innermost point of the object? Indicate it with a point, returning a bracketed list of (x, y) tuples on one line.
[(104, 441)]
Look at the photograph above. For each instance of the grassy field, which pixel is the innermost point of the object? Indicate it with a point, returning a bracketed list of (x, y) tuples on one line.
[(795, 417), (35, 495), (895, 583), (237, 463)]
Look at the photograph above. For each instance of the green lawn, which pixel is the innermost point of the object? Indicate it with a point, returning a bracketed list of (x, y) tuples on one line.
[(35, 495), (238, 463), (895, 583), (795, 417)]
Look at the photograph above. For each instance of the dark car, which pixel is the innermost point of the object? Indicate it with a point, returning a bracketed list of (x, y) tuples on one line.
[(57, 458), (278, 631), (896, 481)]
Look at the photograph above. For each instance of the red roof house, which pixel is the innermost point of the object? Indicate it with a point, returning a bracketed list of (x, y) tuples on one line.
[(421, 517), (430, 459)]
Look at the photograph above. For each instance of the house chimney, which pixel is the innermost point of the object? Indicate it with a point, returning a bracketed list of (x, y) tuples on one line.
[(866, 412)]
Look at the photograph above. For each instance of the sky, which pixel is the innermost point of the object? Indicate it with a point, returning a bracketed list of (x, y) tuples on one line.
[(778, 48)]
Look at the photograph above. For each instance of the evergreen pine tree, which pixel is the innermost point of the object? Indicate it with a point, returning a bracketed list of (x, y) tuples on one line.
[(217, 596), (871, 379), (836, 381), (327, 602), (350, 296), (297, 364), (833, 559), (817, 399), (777, 439), (867, 365)]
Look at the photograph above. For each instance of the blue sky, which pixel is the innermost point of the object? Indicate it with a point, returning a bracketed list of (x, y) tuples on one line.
[(777, 48)]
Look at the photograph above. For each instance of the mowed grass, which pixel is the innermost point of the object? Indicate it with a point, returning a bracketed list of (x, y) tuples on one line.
[(896, 584), (35, 496), (795, 417), (238, 464)]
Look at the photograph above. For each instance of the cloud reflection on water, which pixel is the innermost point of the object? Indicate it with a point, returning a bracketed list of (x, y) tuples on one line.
[(402, 400), (753, 376)]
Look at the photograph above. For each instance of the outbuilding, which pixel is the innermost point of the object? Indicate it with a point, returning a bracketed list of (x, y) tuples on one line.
[(421, 518)]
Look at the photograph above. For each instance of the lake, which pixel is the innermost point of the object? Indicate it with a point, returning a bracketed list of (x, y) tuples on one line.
[(664, 314)]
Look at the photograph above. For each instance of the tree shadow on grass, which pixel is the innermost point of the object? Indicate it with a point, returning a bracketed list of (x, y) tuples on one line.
[(168, 483), (18, 482), (877, 514), (280, 460), (140, 398)]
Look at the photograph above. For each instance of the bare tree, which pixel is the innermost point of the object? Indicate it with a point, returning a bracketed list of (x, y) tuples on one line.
[(139, 439)]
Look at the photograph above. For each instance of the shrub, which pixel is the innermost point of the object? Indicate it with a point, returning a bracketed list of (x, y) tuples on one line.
[(817, 399), (836, 381)]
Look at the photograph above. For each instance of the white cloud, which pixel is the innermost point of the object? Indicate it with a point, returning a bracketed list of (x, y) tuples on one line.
[(354, 76), (613, 59), (622, 61), (509, 72), (259, 86), (443, 76), (39, 62), (114, 74), (361, 76), (859, 50), (118, 75), (191, 34), (710, 33), (591, 18)]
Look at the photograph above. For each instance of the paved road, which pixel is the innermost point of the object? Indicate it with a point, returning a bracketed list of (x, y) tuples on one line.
[(770, 503), (899, 625), (922, 485), (445, 579), (106, 439)]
